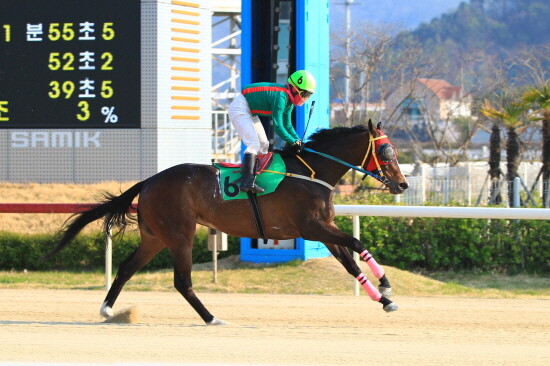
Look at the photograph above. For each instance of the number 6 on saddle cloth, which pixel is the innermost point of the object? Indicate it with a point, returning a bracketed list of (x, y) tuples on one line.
[(230, 176), (271, 171)]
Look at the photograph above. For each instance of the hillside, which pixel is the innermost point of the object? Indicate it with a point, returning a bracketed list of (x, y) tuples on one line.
[(405, 13), (492, 25), (472, 42)]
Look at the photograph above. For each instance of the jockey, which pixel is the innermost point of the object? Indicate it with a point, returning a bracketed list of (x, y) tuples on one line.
[(276, 101)]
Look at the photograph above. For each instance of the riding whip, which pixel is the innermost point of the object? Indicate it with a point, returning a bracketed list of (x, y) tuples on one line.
[(309, 118)]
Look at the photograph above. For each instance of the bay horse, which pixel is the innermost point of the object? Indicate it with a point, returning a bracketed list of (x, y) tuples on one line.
[(172, 202)]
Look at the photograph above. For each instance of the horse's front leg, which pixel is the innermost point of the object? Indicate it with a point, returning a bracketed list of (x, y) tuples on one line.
[(380, 295), (378, 271), (338, 250)]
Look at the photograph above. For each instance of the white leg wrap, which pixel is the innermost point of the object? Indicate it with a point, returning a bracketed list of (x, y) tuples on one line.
[(216, 322), (106, 311)]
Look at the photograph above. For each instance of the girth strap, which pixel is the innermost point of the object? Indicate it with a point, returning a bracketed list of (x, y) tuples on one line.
[(253, 199)]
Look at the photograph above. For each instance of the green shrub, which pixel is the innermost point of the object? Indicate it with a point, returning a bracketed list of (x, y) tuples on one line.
[(420, 243), (456, 244), (86, 252)]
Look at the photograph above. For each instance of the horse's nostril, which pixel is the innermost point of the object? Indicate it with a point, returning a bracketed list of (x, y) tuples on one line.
[(404, 185)]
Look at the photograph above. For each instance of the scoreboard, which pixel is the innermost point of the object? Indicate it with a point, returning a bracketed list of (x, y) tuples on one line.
[(102, 90), (70, 64)]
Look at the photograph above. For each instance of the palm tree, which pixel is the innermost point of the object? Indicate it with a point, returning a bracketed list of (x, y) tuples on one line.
[(494, 165), (540, 99), (510, 116)]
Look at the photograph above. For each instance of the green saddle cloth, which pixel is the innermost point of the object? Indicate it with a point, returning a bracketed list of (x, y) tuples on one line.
[(230, 178)]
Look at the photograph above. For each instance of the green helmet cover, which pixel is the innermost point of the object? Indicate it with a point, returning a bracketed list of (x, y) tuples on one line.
[(303, 80)]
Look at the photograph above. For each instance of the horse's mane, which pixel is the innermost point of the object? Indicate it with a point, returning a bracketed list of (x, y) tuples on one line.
[(327, 135), (330, 134)]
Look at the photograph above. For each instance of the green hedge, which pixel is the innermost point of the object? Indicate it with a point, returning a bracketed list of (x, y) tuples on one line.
[(421, 243), (19, 251), (456, 244)]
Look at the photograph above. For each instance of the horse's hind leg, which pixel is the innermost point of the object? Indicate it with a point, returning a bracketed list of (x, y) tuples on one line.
[(148, 248), (182, 253)]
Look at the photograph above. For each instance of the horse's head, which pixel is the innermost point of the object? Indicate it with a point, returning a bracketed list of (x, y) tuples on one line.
[(381, 160), (359, 145)]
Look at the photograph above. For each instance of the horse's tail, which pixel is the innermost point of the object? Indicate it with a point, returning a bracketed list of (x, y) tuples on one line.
[(113, 208)]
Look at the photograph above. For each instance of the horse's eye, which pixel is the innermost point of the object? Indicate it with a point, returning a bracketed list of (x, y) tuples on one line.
[(386, 153)]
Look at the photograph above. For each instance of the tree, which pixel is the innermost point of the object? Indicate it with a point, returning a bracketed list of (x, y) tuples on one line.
[(494, 165), (379, 62), (540, 99), (511, 117), (369, 46)]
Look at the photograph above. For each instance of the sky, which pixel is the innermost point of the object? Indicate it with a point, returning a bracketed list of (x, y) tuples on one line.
[(406, 13)]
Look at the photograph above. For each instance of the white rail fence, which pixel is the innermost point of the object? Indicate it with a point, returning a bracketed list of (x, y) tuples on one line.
[(444, 212), (468, 184), (341, 210)]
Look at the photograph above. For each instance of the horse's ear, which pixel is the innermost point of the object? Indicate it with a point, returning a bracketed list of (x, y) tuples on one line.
[(379, 126), (371, 127)]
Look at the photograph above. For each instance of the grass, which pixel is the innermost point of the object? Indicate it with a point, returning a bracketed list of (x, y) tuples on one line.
[(316, 276), (520, 284)]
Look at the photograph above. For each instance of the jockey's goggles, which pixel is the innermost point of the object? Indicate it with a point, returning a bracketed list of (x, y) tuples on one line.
[(304, 94)]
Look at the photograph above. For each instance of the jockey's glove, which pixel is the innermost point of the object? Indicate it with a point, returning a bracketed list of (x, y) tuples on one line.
[(298, 147)]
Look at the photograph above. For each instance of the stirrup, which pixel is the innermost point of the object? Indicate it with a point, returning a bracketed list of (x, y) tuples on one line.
[(246, 188), (258, 189), (254, 188)]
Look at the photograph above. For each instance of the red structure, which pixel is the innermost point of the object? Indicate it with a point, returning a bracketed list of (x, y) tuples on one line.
[(50, 207)]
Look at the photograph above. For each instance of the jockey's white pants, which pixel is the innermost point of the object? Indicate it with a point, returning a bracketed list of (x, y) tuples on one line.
[(249, 127)]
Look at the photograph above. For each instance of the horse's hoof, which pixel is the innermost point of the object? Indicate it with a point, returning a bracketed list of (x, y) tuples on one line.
[(216, 322), (106, 311), (390, 307), (385, 291)]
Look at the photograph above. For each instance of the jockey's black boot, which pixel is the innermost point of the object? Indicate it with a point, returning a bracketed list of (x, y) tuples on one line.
[(249, 175)]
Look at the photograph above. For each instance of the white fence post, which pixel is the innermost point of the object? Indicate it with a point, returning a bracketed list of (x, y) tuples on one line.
[(544, 189), (423, 184), (446, 186), (469, 184), (396, 198), (517, 190), (213, 245)]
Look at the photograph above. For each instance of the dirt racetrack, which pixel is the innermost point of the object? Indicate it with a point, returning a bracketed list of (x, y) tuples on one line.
[(54, 326)]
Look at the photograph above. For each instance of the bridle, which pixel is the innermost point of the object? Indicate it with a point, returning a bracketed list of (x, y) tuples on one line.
[(376, 144), (375, 162)]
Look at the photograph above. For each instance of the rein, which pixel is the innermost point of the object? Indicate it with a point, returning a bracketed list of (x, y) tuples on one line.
[(371, 148)]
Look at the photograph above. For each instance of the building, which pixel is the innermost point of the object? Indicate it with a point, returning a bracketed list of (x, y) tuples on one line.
[(430, 99), (429, 104)]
